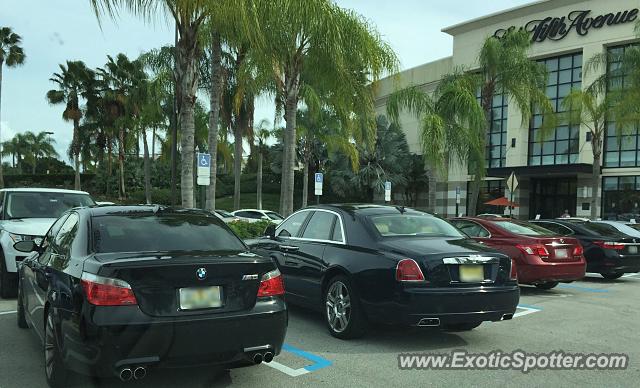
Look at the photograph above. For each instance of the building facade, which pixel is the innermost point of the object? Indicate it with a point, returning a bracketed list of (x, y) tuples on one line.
[(554, 173)]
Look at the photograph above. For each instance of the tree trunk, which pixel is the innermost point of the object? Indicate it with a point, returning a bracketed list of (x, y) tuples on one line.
[(123, 193), (76, 152), (237, 163), (289, 157), (33, 168), (259, 193), (214, 115), (305, 184), (153, 144), (1, 168), (596, 144), (187, 76), (147, 167)]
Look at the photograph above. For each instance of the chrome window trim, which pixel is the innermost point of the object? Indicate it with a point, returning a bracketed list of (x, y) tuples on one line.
[(343, 240)]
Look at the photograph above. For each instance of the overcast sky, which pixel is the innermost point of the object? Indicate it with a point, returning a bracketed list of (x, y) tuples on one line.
[(54, 31)]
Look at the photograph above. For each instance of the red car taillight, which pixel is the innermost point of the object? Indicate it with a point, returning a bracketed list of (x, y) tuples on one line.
[(101, 291), (578, 250), (271, 284), (609, 245), (409, 271), (534, 249), (514, 271)]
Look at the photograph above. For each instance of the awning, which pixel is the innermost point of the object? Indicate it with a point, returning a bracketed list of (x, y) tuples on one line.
[(503, 201)]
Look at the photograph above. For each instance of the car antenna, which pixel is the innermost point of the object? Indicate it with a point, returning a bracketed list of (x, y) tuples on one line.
[(400, 209)]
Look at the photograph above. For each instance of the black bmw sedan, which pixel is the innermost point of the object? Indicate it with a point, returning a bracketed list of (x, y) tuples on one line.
[(119, 290), (607, 251), (391, 265)]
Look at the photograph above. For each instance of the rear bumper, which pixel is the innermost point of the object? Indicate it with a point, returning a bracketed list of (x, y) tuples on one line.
[(448, 305), (614, 263), (542, 272), (110, 339)]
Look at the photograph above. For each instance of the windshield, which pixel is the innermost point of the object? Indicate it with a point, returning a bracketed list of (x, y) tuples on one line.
[(274, 216), (225, 214), (600, 229), (43, 204), (525, 229), (170, 232), (413, 225)]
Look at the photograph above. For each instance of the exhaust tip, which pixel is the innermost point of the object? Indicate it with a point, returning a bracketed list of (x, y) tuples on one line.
[(140, 373), (257, 358), (507, 317), (429, 322), (126, 374), (268, 357)]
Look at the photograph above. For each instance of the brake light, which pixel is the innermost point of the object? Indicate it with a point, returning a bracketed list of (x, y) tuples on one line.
[(609, 245), (271, 284), (408, 270), (102, 291), (534, 249), (578, 250), (514, 271)]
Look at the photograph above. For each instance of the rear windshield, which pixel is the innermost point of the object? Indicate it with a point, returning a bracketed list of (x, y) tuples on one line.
[(413, 225), (599, 229), (274, 216), (162, 232), (524, 229), (43, 204)]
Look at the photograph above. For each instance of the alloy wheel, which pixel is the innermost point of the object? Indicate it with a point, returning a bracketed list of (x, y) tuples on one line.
[(49, 347), (338, 305)]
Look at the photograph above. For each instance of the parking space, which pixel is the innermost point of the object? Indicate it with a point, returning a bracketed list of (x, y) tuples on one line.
[(592, 315)]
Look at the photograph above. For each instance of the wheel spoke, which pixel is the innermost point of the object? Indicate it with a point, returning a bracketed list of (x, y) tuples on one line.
[(343, 322), (329, 303)]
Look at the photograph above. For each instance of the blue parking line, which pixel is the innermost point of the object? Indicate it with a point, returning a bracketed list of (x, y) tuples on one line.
[(528, 306), (318, 362), (580, 288)]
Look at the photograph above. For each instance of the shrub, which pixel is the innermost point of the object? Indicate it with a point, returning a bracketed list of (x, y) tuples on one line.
[(247, 230)]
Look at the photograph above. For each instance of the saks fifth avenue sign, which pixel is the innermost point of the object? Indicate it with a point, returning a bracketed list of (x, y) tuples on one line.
[(557, 28)]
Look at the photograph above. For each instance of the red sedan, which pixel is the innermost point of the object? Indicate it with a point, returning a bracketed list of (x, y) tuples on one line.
[(542, 257)]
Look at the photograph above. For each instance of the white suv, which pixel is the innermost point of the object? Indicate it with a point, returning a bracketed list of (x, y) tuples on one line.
[(27, 214)]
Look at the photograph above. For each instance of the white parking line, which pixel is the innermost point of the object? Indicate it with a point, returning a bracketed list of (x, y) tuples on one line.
[(634, 276), (527, 310), (7, 312), (286, 370)]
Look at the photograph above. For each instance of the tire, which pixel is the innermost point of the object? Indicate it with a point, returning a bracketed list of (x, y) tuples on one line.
[(342, 311), (54, 368), (547, 285), (462, 326), (612, 276), (22, 321), (8, 284)]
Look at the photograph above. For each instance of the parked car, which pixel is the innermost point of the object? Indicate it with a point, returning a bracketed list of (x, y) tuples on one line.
[(27, 214), (386, 264), (255, 215), (225, 216), (119, 290), (542, 257), (622, 227), (607, 251)]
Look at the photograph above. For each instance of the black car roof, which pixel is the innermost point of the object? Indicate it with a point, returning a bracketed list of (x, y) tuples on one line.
[(105, 210)]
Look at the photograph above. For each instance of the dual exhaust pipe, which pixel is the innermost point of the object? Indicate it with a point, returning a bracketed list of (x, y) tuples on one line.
[(137, 373), (258, 358)]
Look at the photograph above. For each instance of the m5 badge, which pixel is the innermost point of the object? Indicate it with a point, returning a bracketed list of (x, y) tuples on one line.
[(250, 277)]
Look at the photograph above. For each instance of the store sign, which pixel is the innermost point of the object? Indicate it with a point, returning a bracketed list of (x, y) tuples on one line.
[(557, 28)]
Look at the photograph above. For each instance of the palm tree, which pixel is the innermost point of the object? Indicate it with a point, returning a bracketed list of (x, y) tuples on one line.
[(311, 44), (40, 145), (17, 147), (12, 54), (71, 82), (455, 124), (262, 136)]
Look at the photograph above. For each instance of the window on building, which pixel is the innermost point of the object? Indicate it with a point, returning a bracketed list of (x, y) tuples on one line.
[(621, 198), (562, 145), (620, 151), (496, 142), (490, 190)]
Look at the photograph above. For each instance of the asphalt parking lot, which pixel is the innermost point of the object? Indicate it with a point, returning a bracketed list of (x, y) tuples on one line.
[(589, 316)]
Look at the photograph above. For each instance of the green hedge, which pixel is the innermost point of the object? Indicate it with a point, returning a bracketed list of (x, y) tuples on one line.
[(247, 230)]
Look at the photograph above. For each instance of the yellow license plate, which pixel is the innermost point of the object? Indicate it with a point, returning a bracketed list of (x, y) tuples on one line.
[(471, 273), (200, 298)]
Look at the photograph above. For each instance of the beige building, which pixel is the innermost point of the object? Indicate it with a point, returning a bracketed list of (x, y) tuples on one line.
[(553, 175)]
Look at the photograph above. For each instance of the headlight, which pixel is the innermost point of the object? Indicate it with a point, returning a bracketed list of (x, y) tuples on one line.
[(21, 237), (17, 237)]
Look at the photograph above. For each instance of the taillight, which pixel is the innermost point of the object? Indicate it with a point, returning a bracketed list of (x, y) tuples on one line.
[(409, 271), (609, 245), (534, 249), (514, 271), (271, 284), (103, 291), (578, 250)]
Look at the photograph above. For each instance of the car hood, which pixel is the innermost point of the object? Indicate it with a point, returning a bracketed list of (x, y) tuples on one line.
[(421, 246), (28, 226)]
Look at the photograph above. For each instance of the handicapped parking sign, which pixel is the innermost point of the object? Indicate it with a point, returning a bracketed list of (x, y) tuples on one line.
[(319, 179), (204, 160), (203, 169)]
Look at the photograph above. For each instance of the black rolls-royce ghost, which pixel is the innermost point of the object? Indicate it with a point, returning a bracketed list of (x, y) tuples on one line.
[(118, 290), (393, 265)]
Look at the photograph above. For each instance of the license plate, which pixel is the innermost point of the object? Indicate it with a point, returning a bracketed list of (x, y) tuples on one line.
[(633, 249), (562, 254), (200, 298), (471, 273)]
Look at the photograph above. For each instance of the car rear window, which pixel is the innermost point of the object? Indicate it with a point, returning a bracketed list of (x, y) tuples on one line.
[(39, 204), (413, 225), (162, 232), (599, 229), (525, 229)]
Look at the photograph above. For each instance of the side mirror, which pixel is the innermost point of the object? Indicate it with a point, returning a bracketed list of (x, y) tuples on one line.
[(270, 232), (25, 246)]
